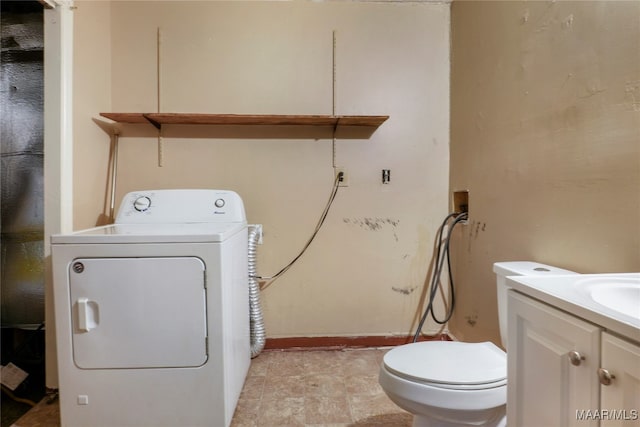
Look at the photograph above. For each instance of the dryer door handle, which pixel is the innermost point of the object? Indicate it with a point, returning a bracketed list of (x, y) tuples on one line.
[(86, 318)]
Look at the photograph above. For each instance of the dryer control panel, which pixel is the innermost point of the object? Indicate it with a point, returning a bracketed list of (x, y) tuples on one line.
[(180, 206)]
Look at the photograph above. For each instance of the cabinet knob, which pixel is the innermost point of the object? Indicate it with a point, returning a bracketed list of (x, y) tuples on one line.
[(606, 377), (575, 358)]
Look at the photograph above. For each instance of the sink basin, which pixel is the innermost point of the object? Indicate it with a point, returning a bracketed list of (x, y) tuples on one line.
[(621, 294)]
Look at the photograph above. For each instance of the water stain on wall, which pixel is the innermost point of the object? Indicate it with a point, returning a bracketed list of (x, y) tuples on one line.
[(475, 228), (472, 319), (632, 95)]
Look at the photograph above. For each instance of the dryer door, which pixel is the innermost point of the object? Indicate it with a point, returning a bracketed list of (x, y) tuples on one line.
[(138, 312)]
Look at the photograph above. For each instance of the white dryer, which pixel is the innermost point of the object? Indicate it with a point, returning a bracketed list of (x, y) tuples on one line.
[(152, 318)]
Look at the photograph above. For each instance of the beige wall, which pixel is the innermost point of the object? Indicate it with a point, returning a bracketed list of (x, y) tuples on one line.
[(545, 133), (92, 92), (365, 273)]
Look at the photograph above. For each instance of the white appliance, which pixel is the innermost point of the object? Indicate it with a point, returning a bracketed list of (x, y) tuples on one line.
[(152, 312)]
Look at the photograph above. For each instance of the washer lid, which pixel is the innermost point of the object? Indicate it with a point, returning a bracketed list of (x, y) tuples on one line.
[(448, 362)]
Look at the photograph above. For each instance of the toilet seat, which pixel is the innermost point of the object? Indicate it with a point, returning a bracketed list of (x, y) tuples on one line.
[(449, 364)]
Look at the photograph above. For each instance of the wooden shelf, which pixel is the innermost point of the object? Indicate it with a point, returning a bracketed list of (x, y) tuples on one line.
[(159, 119), (125, 117)]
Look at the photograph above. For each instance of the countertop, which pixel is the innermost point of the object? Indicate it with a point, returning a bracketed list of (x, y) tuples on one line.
[(567, 293)]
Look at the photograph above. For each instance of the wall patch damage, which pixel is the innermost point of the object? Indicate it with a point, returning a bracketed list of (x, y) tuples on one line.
[(371, 224), (404, 291), (374, 224)]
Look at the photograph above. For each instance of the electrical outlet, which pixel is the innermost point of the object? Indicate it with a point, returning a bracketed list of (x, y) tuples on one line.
[(344, 181)]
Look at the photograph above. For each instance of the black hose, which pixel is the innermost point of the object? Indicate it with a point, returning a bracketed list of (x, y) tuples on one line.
[(442, 252)]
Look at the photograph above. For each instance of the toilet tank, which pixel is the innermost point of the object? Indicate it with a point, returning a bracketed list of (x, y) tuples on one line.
[(517, 268)]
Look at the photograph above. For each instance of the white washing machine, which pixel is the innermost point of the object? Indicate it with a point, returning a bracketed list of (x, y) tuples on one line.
[(152, 313)]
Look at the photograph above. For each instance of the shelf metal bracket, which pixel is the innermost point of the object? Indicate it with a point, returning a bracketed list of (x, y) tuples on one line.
[(155, 123)]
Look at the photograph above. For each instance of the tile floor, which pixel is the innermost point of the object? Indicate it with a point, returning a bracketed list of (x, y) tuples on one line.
[(298, 388)]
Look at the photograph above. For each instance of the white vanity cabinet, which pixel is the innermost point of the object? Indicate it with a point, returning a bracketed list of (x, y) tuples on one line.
[(566, 371), (552, 359), (620, 378)]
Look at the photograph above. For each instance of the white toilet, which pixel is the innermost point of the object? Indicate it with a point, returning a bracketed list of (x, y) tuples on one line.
[(450, 383)]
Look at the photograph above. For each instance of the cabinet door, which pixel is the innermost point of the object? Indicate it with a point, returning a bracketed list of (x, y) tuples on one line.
[(544, 387), (620, 399)]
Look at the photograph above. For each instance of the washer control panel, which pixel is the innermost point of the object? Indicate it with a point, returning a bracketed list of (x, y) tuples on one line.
[(180, 206)]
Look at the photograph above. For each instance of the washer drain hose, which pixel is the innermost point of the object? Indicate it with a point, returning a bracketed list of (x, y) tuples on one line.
[(256, 321)]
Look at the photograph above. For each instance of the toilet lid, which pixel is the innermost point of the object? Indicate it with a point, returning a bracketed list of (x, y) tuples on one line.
[(449, 363)]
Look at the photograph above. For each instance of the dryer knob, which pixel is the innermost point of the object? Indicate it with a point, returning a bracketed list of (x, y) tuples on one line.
[(142, 203), (219, 203)]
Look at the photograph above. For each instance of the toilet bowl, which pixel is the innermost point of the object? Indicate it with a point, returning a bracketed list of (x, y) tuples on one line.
[(447, 383), (450, 383)]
